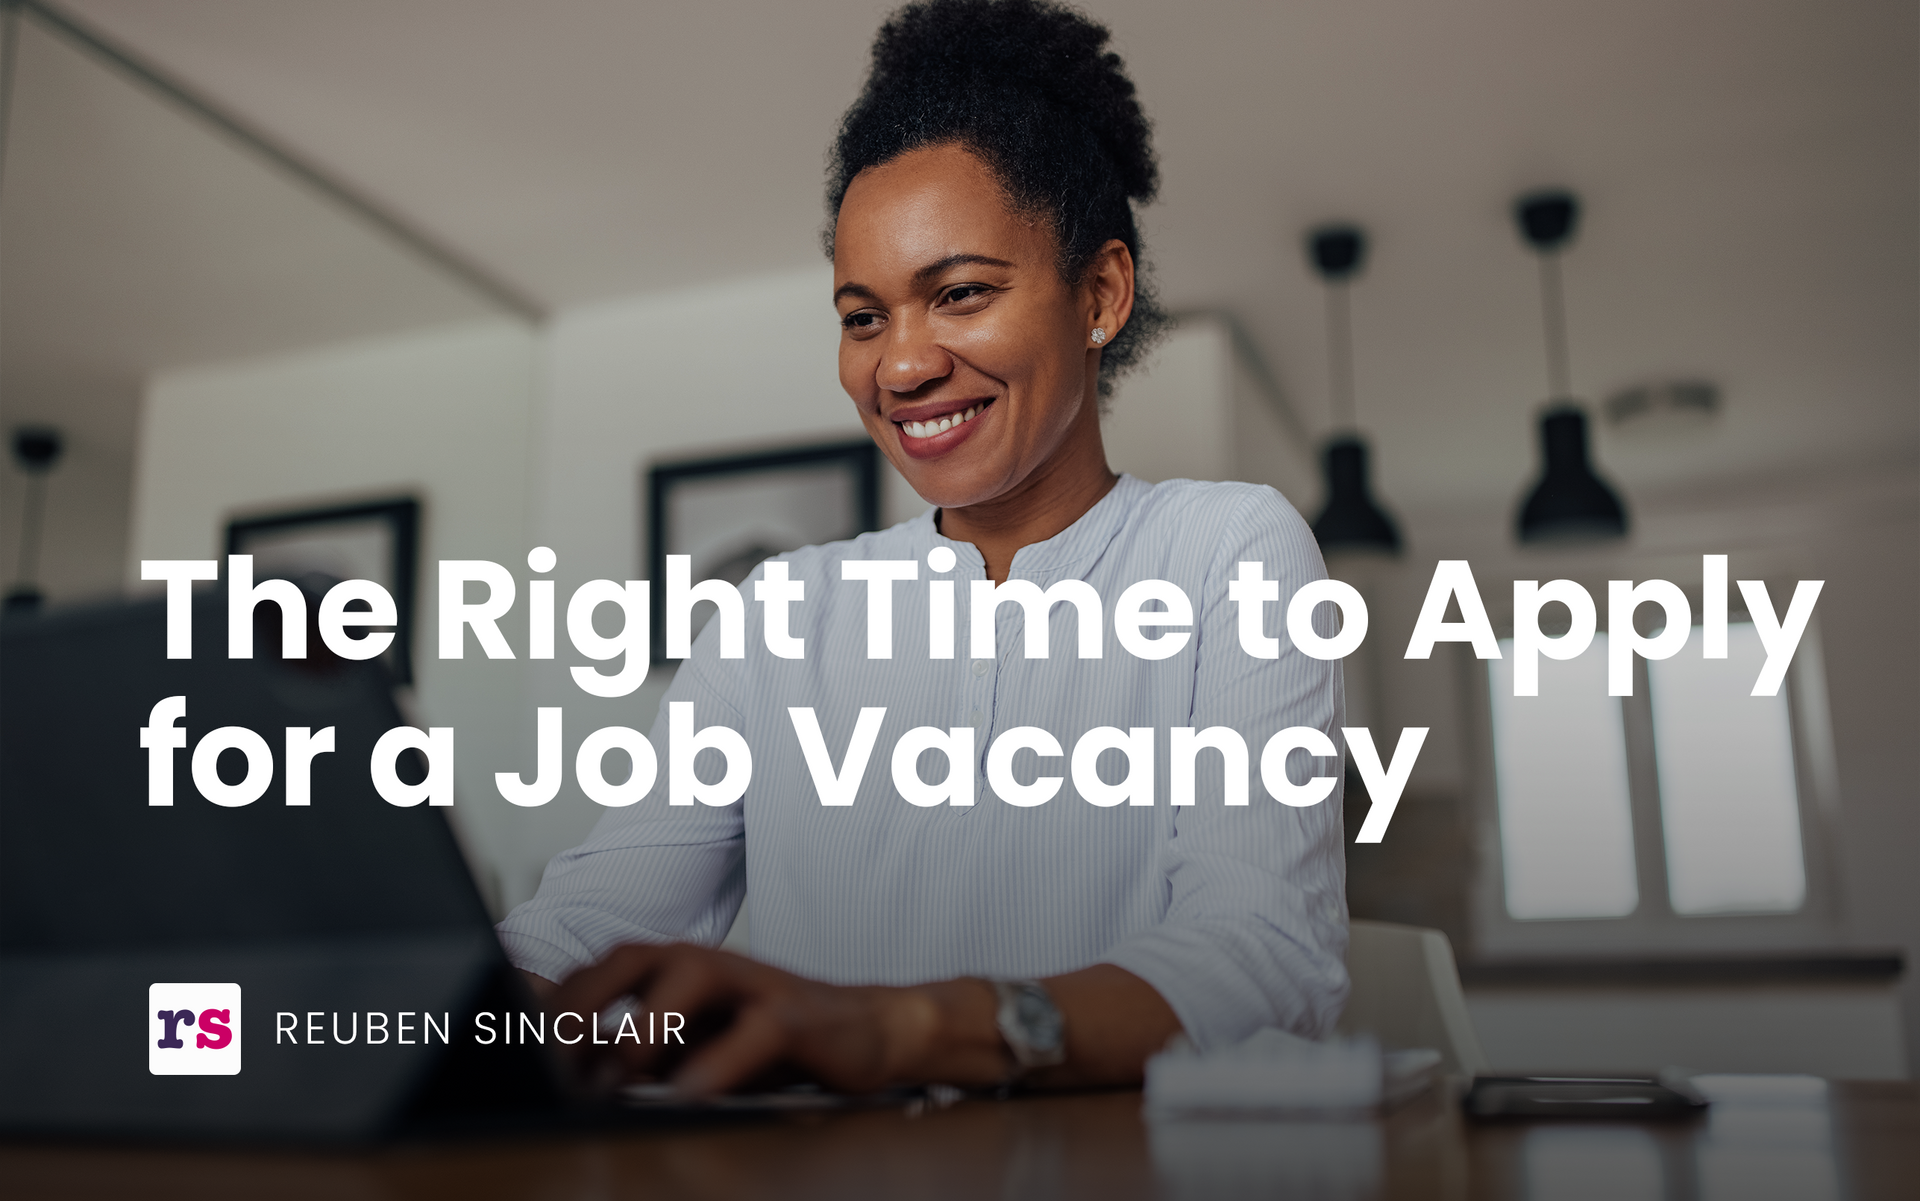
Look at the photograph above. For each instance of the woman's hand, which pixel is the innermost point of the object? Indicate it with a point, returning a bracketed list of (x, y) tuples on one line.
[(762, 1020)]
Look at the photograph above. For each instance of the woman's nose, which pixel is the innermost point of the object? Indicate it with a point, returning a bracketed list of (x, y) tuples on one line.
[(911, 359)]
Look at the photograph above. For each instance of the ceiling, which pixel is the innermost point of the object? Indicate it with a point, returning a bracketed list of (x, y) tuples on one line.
[(1751, 173), (138, 237)]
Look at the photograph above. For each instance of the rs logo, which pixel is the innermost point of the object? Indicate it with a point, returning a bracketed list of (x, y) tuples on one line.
[(193, 1029)]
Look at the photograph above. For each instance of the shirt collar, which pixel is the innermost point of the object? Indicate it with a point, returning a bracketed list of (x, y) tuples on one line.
[(1068, 553)]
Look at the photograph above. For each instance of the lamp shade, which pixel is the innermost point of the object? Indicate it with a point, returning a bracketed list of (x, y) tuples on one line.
[(1570, 503), (1351, 520), (36, 449), (22, 599)]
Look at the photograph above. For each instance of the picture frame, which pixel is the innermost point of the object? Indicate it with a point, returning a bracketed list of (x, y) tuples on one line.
[(376, 540), (732, 512)]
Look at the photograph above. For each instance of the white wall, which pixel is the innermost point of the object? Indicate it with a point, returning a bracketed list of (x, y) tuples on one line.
[(746, 365), (445, 415), (1174, 419), (1194, 411)]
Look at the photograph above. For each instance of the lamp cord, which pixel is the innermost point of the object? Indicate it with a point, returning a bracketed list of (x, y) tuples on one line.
[(1554, 316), (1340, 355)]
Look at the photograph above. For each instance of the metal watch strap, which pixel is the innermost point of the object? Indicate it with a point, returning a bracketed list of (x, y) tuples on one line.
[(1030, 1024)]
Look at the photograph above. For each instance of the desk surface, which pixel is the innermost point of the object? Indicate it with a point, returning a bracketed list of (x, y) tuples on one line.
[(1855, 1140)]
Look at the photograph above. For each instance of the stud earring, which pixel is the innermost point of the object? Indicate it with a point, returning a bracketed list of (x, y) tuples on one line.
[(1099, 336)]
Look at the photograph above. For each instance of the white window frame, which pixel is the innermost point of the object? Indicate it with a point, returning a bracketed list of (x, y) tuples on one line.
[(1653, 927)]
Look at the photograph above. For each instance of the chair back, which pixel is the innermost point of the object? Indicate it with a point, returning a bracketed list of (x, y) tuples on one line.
[(1406, 993)]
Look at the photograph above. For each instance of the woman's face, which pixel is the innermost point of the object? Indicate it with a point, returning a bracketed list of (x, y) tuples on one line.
[(969, 358)]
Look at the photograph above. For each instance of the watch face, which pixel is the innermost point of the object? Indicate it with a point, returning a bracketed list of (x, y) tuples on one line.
[(1039, 1020)]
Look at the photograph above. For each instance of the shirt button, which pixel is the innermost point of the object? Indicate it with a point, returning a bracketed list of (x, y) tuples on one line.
[(979, 667), (979, 719)]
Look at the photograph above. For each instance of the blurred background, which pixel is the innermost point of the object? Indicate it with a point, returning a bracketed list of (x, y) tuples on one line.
[(389, 283)]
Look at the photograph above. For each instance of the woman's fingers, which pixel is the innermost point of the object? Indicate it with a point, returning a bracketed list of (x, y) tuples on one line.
[(694, 979), (758, 1017), (756, 1040), (596, 992), (698, 985), (679, 979), (594, 987)]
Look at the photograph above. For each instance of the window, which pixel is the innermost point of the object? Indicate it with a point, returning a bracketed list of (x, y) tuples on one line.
[(1687, 790), (1728, 805), (1560, 761)]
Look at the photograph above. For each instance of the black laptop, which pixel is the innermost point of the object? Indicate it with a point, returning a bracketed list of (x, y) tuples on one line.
[(321, 915)]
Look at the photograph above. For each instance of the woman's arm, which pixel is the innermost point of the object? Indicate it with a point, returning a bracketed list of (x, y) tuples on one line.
[(649, 872), (541, 987), (1255, 930), (861, 1039)]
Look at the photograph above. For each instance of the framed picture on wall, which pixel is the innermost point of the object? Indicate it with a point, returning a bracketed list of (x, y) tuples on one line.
[(732, 513), (376, 540)]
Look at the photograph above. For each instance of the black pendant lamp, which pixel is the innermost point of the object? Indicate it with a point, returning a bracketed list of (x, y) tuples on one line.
[(35, 451), (1570, 503), (1351, 520)]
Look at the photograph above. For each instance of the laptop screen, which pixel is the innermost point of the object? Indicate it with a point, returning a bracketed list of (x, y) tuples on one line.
[(87, 864)]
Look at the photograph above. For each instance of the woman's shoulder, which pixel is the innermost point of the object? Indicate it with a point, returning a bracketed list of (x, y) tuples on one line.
[(1203, 527)]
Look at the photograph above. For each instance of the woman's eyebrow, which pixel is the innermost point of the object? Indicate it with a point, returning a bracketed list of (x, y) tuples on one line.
[(956, 260), (925, 273)]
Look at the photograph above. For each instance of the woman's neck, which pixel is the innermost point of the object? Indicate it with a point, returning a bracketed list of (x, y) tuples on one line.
[(1055, 496)]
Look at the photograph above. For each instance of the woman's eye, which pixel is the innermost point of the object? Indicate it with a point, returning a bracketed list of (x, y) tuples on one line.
[(865, 319), (964, 292)]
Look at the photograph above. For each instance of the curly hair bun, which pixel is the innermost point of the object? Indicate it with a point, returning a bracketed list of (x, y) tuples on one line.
[(1030, 87)]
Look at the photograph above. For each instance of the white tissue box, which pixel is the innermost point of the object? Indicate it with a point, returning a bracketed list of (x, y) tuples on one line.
[(1279, 1074)]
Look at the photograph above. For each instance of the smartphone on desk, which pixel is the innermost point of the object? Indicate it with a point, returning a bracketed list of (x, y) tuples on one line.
[(1628, 1098)]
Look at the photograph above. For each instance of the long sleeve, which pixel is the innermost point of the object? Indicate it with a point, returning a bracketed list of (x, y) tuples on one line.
[(1235, 914), (1256, 927), (649, 873)]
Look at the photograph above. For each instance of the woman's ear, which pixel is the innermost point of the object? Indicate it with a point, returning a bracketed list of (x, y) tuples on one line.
[(1109, 285)]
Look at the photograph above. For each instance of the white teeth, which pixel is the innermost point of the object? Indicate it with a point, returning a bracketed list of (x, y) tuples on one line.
[(939, 425)]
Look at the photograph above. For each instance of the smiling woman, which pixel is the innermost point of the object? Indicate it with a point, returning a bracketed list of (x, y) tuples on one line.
[(986, 260), (972, 359), (986, 274)]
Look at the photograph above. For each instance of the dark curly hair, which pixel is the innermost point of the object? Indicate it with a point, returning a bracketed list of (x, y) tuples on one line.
[(1028, 86)]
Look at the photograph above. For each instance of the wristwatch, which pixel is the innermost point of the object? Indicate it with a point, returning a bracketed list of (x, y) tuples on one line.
[(1031, 1025)]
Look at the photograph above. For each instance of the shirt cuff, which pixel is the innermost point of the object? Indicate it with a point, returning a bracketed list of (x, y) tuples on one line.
[(1220, 1001), (544, 959)]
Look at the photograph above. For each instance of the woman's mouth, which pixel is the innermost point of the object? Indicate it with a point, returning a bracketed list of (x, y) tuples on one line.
[(938, 435)]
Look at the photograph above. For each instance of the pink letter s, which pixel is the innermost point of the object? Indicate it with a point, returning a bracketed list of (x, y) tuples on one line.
[(216, 1021)]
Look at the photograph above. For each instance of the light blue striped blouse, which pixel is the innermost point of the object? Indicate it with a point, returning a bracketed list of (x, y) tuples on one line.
[(1236, 915)]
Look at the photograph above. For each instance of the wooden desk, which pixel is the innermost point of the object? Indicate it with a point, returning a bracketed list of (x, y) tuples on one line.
[(1856, 1141)]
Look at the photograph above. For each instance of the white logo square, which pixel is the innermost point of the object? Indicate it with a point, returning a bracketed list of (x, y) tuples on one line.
[(193, 1029)]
